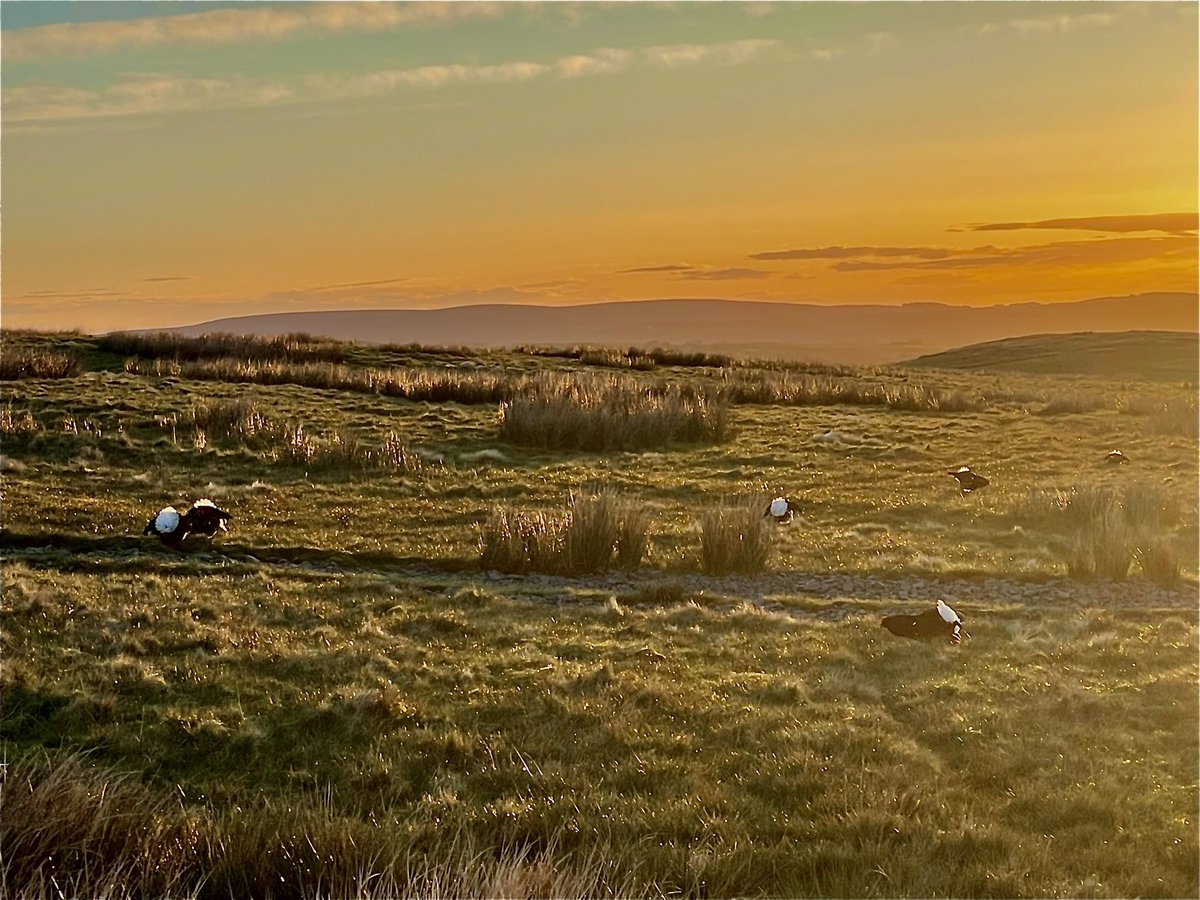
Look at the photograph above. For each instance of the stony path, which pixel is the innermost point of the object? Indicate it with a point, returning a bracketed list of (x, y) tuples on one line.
[(823, 595), (843, 593)]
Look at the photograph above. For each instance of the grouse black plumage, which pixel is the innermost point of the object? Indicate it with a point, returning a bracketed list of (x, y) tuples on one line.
[(941, 621), (968, 481), (169, 526), (206, 518)]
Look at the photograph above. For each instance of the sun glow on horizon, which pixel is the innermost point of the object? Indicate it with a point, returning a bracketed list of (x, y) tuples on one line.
[(168, 165)]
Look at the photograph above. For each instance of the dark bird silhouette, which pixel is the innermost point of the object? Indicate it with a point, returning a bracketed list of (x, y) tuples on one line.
[(941, 621), (781, 509), (968, 481), (205, 517), (1116, 456)]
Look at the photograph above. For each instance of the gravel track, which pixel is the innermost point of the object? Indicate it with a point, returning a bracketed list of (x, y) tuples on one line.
[(821, 595)]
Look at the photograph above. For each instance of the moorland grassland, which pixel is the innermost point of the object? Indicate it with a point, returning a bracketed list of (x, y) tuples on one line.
[(511, 623)]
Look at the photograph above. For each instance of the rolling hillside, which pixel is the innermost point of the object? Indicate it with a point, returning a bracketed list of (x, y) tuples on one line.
[(869, 335), (1144, 355)]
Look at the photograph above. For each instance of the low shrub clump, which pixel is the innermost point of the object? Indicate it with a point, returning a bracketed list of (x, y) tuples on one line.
[(735, 538), (595, 533)]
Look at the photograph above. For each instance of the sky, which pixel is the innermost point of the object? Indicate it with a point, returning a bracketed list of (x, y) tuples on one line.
[(167, 163)]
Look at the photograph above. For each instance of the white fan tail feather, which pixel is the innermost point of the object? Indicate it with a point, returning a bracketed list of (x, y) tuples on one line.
[(167, 520), (204, 502), (946, 612)]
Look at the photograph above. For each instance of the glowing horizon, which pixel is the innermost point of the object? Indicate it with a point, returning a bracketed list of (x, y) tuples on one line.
[(170, 163)]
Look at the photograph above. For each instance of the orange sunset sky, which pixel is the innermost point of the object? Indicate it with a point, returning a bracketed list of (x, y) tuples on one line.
[(169, 163)]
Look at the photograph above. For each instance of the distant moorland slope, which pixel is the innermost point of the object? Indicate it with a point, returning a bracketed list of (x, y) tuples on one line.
[(851, 334), (1143, 355)]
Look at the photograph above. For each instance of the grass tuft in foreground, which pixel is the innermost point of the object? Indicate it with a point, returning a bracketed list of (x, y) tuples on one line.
[(735, 538), (596, 532), (1110, 528)]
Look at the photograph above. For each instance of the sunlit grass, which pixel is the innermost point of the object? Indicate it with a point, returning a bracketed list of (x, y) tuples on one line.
[(340, 698)]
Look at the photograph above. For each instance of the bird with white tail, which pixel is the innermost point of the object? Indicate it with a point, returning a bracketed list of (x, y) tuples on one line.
[(941, 621), (171, 527)]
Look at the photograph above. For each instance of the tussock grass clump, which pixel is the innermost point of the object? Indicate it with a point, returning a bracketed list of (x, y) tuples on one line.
[(430, 385), (1179, 417), (1158, 560), (788, 388), (345, 450), (168, 345), (608, 414), (1164, 415), (72, 829), (1110, 528), (595, 532), (1073, 402), (36, 362), (735, 538), (240, 417), (242, 422), (634, 357), (617, 359), (17, 421)]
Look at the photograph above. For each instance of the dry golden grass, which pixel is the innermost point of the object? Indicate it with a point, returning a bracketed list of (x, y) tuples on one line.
[(25, 362), (338, 699)]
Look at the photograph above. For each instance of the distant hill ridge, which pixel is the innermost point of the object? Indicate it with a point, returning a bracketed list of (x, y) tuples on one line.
[(1143, 355), (852, 334)]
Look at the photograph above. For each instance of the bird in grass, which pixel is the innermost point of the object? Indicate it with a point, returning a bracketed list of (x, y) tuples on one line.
[(205, 518), (165, 526), (941, 621), (1116, 456), (968, 481), (171, 527), (781, 509)]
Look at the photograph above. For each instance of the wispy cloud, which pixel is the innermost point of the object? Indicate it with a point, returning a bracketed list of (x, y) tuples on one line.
[(673, 56), (668, 267), (136, 94), (145, 93), (219, 26), (321, 288), (605, 61), (1098, 252), (1179, 245), (1052, 24), (839, 252), (169, 278), (700, 273), (1168, 223), (725, 275)]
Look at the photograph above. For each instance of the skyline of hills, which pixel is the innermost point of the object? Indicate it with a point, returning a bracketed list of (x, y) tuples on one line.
[(873, 334)]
